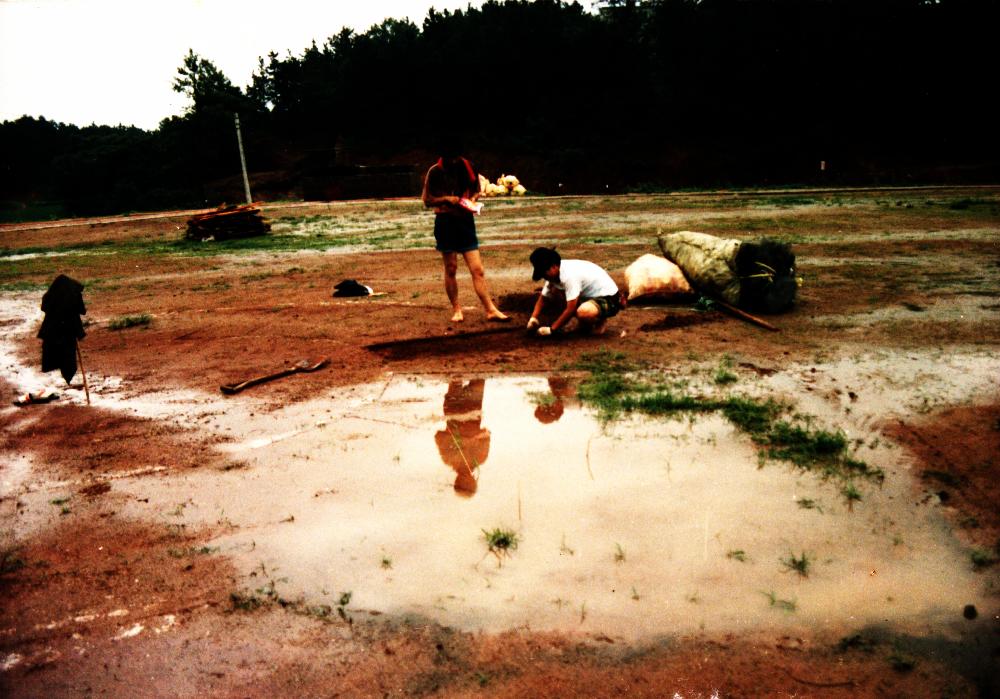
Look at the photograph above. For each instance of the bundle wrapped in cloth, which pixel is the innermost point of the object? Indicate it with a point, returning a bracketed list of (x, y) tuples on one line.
[(652, 277), (506, 185), (755, 276)]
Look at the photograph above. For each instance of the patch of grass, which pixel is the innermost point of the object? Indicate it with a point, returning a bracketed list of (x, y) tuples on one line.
[(23, 286), (851, 494), (605, 362), (786, 605), (541, 398), (809, 504), (982, 558), (192, 551), (783, 201), (246, 602), (123, 322), (605, 392), (61, 501), (256, 277), (619, 554), (501, 542), (386, 562), (799, 565), (613, 390), (750, 416), (724, 377), (737, 555), (800, 444)]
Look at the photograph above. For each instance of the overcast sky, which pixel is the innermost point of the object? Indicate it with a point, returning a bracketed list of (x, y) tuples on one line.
[(113, 61)]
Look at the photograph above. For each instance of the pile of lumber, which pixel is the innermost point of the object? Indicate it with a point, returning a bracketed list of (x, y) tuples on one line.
[(227, 223)]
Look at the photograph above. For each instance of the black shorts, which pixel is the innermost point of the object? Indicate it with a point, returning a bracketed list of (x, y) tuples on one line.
[(608, 305), (455, 233)]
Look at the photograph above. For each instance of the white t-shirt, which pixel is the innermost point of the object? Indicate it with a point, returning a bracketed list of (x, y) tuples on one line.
[(581, 279)]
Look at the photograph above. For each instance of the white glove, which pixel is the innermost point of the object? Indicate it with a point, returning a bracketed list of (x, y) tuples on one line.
[(533, 323), (545, 331)]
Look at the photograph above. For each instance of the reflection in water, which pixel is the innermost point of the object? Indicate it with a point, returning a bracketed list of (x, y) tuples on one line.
[(464, 444), (562, 393)]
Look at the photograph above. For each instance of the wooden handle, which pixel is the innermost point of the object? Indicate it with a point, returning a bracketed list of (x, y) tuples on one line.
[(746, 316)]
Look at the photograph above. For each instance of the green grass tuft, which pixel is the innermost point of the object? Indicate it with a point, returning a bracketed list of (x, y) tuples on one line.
[(123, 322), (614, 392), (799, 565), (501, 542)]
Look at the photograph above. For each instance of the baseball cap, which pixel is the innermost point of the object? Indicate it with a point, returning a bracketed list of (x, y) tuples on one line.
[(542, 259)]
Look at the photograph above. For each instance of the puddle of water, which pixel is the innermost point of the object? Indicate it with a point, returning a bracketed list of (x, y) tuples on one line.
[(628, 531), (385, 490)]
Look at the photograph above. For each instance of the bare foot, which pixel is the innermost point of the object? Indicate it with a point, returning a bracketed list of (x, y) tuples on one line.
[(498, 316), (458, 316)]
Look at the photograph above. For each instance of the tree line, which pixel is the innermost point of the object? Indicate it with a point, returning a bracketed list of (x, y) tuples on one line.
[(628, 95)]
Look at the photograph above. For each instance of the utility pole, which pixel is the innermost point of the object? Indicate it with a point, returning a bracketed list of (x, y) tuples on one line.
[(243, 161)]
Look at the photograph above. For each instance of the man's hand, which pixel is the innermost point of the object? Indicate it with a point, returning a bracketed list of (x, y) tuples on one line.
[(545, 331), (533, 323)]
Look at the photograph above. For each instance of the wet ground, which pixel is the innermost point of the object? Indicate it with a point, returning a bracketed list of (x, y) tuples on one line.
[(385, 491), (329, 529)]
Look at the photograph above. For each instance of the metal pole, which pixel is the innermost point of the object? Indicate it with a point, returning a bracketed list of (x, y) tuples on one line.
[(243, 161)]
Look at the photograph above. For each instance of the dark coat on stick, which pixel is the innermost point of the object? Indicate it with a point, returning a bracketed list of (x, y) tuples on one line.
[(62, 305)]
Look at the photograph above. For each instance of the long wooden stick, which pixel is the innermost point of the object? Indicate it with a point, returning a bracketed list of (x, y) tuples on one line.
[(79, 360), (302, 366), (746, 316)]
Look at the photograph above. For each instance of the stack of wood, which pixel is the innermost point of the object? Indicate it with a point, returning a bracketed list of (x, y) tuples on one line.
[(227, 223)]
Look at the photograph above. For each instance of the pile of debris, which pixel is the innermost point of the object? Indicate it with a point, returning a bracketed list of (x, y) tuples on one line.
[(506, 185), (227, 223)]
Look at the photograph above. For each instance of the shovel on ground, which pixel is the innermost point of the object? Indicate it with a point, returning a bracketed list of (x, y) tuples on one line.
[(303, 366)]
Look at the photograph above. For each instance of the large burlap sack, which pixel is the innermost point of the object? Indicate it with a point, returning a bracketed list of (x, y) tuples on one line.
[(707, 261), (654, 277)]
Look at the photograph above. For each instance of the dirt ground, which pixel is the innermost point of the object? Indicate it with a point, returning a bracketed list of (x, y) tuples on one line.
[(101, 600)]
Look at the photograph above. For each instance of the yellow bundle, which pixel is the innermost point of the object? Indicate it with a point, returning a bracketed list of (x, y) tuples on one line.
[(505, 186)]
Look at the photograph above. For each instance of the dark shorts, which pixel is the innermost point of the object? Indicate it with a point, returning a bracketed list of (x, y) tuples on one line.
[(455, 233), (608, 305)]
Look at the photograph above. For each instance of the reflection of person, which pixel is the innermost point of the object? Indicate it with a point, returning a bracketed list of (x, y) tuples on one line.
[(448, 182), (562, 393), (464, 444), (591, 294)]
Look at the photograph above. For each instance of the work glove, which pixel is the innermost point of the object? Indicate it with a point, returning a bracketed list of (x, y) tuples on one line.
[(533, 323), (545, 331)]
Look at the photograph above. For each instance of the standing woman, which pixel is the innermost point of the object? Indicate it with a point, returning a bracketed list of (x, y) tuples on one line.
[(449, 182)]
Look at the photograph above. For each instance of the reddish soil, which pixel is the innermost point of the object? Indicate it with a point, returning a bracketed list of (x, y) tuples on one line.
[(216, 321)]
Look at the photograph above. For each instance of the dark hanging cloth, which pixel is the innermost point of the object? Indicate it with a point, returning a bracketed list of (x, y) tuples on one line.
[(62, 305)]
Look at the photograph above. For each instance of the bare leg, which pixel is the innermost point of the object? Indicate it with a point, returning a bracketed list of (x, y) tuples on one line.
[(451, 284), (589, 314), (475, 264)]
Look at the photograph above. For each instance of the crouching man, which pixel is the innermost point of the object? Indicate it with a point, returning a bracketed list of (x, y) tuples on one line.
[(591, 294)]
